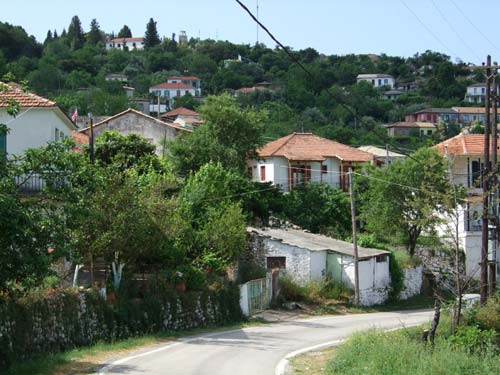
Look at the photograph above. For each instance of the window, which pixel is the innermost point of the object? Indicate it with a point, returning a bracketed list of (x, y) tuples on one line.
[(178, 92), (133, 45), (380, 82), (300, 174), (381, 258), (476, 167), (276, 263), (263, 173), (386, 81), (324, 169), (429, 132), (186, 92), (250, 172), (119, 45), (56, 135), (483, 90), (3, 145)]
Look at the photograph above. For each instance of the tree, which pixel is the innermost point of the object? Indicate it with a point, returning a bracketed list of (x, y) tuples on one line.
[(406, 198), (151, 38), (75, 35), (229, 135), (94, 36), (125, 32), (48, 38)]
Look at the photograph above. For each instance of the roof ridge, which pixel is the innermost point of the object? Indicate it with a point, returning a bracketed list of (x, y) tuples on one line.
[(290, 136)]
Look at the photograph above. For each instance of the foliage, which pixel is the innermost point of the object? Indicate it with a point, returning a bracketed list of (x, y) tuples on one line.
[(49, 321), (319, 208), (485, 317), (316, 292), (398, 353), (418, 188), (151, 38), (124, 32), (75, 36), (229, 135)]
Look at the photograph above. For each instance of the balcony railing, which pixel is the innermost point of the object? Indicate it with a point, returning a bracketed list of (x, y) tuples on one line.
[(34, 183)]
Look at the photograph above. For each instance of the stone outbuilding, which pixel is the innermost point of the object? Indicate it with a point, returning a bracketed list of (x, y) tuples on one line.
[(312, 257)]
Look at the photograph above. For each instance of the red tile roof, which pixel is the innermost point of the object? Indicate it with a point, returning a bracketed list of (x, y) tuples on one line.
[(463, 144), (121, 40), (180, 112), (80, 138), (184, 78), (306, 146), (167, 85), (24, 99)]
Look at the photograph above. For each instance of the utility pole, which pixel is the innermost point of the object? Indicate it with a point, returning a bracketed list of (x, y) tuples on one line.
[(486, 191), (354, 238), (91, 139), (386, 155), (158, 112), (492, 264)]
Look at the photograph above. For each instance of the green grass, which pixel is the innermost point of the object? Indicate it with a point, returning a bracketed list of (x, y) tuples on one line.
[(401, 353), (90, 359)]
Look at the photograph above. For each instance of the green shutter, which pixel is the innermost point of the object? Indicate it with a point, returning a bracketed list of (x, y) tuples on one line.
[(3, 144)]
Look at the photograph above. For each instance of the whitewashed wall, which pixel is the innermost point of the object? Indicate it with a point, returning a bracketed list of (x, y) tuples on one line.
[(412, 282), (33, 128)]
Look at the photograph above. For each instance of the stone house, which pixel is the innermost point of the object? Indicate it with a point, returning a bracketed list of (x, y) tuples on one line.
[(312, 257), (298, 158), (135, 122), (407, 129), (383, 156)]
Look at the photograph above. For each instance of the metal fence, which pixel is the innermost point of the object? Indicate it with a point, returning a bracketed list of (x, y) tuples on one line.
[(259, 294)]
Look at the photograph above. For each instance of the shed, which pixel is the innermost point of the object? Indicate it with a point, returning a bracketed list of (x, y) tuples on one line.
[(311, 257)]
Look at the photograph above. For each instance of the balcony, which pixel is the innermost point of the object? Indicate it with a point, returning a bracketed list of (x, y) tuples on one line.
[(34, 183)]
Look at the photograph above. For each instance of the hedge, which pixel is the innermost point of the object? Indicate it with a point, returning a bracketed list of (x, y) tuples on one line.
[(56, 320)]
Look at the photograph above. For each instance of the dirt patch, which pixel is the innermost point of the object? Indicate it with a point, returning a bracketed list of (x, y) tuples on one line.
[(311, 363)]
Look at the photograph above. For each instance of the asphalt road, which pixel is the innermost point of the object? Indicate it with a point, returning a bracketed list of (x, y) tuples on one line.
[(253, 350)]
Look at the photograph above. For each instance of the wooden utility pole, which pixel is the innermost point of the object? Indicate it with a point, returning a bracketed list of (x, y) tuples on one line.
[(354, 238), (486, 191), (492, 264), (91, 139)]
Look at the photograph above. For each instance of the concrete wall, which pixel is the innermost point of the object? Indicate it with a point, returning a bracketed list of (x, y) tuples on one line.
[(133, 123), (412, 282), (34, 127), (298, 260)]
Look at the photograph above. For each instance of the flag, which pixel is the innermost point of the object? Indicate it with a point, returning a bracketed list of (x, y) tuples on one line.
[(74, 116)]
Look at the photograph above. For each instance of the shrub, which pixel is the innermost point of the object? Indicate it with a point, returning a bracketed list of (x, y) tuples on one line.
[(474, 340), (290, 290), (313, 291)]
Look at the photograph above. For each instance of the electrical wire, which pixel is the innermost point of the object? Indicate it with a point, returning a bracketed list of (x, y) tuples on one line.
[(445, 19)]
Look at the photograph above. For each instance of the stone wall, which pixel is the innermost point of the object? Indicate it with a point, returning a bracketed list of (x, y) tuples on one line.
[(412, 282)]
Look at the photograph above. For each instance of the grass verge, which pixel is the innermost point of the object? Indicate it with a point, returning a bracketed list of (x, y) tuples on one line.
[(311, 363), (88, 360)]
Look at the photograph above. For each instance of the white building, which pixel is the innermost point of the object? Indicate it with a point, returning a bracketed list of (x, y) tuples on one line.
[(377, 80), (311, 257), (465, 153), (125, 44), (301, 157), (175, 87), (383, 156), (134, 122), (38, 122)]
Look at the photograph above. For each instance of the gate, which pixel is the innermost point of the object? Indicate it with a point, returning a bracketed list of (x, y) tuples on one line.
[(258, 295)]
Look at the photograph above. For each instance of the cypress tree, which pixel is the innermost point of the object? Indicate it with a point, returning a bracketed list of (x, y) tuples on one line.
[(94, 36), (125, 32), (76, 37), (151, 38), (48, 38)]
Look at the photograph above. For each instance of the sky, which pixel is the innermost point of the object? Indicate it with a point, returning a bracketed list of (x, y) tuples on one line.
[(394, 27)]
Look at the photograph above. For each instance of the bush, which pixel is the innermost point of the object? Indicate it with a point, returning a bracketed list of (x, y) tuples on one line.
[(474, 340), (290, 290), (313, 291), (485, 317)]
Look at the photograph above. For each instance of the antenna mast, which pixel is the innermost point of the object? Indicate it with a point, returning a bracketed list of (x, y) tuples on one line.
[(257, 20)]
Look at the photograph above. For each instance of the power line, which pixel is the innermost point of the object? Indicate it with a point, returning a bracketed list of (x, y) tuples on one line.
[(474, 26), (445, 19), (427, 28)]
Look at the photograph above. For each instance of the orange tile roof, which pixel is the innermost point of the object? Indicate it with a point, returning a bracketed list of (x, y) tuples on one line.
[(80, 138), (24, 99), (307, 146), (463, 144), (167, 85), (121, 40), (184, 78), (471, 110), (180, 112)]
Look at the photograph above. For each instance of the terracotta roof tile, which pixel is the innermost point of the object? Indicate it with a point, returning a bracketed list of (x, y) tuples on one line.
[(167, 85), (183, 78), (121, 40), (180, 112), (463, 144), (24, 99), (306, 146)]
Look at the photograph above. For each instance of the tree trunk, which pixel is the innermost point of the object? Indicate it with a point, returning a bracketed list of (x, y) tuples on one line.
[(435, 322), (91, 270), (117, 274), (75, 275)]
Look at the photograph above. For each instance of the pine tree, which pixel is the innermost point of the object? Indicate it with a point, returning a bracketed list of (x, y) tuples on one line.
[(94, 36), (151, 38), (76, 37), (64, 34), (125, 32), (55, 36), (48, 38)]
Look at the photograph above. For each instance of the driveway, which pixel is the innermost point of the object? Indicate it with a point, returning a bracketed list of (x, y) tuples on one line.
[(254, 350)]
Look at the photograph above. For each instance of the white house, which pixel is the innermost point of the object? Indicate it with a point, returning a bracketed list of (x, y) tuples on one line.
[(301, 157), (135, 122), (383, 156), (465, 153), (175, 87), (377, 80), (38, 122), (312, 257), (125, 44)]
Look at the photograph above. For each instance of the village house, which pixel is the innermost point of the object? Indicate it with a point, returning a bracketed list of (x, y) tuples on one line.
[(416, 128), (186, 118), (38, 122), (175, 87), (392, 94), (125, 44), (433, 115), (384, 157), (377, 80), (302, 157), (308, 257), (465, 154), (134, 122), (476, 93)]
